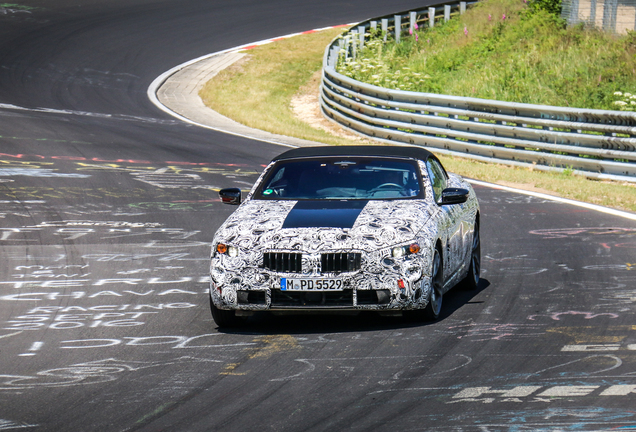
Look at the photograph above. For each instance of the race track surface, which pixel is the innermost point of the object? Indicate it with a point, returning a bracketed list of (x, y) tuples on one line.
[(107, 210)]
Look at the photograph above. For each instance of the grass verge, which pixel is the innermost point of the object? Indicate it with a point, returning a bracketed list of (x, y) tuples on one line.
[(504, 50), (259, 93), (258, 90)]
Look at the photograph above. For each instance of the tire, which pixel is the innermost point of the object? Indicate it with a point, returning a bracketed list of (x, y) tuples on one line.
[(471, 281), (224, 318), (434, 306)]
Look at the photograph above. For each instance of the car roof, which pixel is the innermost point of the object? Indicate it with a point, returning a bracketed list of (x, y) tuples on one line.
[(363, 150)]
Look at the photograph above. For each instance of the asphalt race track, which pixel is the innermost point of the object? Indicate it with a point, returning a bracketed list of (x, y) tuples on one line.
[(107, 211)]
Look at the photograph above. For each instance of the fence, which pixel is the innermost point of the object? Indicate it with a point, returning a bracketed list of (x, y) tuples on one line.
[(596, 143), (615, 16)]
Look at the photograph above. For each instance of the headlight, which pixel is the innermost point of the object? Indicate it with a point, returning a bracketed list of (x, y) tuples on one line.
[(231, 251), (400, 251)]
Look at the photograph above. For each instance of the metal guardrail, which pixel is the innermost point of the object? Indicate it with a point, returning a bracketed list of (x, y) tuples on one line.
[(598, 144)]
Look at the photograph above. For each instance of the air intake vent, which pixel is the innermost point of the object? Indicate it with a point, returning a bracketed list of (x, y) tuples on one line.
[(287, 262), (300, 299), (340, 262)]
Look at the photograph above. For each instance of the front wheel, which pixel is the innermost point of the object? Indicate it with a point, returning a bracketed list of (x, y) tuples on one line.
[(434, 306), (224, 318)]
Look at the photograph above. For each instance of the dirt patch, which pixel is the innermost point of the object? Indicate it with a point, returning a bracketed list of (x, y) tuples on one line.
[(306, 107)]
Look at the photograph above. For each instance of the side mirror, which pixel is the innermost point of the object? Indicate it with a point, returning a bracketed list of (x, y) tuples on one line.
[(230, 196), (454, 196)]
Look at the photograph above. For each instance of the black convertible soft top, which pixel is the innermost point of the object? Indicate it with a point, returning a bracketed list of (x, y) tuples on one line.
[(363, 150)]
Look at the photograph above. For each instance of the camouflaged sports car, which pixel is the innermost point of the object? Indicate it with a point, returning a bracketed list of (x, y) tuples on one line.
[(346, 228)]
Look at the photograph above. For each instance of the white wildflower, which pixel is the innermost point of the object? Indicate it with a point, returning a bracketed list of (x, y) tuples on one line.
[(617, 93)]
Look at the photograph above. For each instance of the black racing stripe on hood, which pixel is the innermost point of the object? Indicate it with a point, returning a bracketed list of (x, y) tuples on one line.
[(324, 214)]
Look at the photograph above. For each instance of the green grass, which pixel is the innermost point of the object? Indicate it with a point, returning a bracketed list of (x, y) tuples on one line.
[(610, 194), (258, 93), (16, 6), (526, 57)]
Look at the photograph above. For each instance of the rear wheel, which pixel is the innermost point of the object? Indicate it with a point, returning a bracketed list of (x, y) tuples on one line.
[(224, 318), (471, 281)]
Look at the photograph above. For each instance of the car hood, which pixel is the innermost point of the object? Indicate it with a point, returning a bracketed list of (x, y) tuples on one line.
[(313, 226)]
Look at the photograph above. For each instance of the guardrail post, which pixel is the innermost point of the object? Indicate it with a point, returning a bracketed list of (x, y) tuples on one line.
[(397, 19), (412, 21), (462, 7), (361, 31), (346, 46), (385, 28), (354, 45), (431, 17), (333, 56), (447, 11)]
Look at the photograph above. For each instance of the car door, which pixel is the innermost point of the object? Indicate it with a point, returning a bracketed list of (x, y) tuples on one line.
[(451, 220)]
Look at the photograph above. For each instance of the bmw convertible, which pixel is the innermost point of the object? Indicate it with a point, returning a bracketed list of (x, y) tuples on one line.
[(345, 229)]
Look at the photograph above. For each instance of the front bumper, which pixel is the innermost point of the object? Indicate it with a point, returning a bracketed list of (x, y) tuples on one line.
[(381, 284)]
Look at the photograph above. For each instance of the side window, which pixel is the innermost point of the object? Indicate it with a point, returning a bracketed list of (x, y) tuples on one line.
[(438, 178)]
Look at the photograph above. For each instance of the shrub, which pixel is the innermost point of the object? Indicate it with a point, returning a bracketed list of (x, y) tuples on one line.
[(552, 6)]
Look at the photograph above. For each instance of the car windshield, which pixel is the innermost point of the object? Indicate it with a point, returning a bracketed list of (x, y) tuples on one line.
[(342, 178)]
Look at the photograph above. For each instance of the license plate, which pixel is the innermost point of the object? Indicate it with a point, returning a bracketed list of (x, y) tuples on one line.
[(287, 284)]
